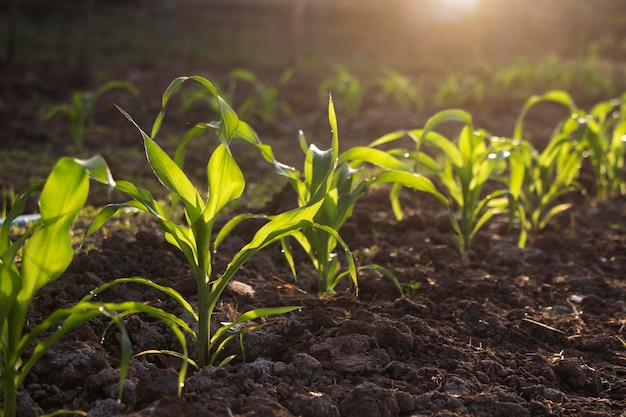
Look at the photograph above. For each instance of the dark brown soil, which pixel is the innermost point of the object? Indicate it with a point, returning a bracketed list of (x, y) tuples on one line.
[(532, 332)]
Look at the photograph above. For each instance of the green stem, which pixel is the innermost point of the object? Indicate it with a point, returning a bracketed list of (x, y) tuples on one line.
[(202, 272), (204, 324), (10, 391)]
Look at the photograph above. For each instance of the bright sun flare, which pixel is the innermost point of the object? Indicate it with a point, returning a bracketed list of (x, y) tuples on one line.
[(454, 9)]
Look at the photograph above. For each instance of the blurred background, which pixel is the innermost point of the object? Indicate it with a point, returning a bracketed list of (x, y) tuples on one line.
[(365, 34)]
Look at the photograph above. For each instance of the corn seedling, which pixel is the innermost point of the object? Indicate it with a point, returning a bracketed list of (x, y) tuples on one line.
[(345, 186), (399, 89), (37, 258), (549, 174), (195, 238), (79, 111), (456, 89), (263, 102), (346, 87), (604, 145), (468, 164)]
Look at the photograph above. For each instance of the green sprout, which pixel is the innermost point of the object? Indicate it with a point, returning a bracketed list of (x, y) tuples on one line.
[(604, 144), (320, 240), (400, 90), (347, 88), (263, 101), (550, 174), (37, 258), (195, 238), (466, 166), (79, 111)]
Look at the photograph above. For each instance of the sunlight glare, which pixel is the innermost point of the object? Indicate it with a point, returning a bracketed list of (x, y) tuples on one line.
[(454, 9)]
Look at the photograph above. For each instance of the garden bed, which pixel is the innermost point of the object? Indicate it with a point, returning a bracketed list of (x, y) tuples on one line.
[(510, 332)]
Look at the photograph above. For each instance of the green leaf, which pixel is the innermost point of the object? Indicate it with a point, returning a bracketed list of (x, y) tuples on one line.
[(230, 121), (97, 169), (173, 178), (277, 228), (171, 89), (172, 293), (226, 182), (49, 250), (556, 96), (332, 119), (389, 137), (318, 171), (230, 225), (373, 156), (450, 151), (408, 179)]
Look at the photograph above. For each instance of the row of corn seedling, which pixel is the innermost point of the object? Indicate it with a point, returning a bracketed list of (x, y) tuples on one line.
[(455, 171), (258, 99)]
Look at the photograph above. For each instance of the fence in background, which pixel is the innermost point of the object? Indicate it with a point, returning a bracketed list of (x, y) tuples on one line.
[(415, 33)]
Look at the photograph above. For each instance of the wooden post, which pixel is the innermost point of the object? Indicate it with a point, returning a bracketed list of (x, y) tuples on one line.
[(14, 14)]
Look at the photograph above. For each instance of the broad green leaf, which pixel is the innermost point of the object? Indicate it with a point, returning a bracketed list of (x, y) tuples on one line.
[(97, 169), (173, 178), (319, 168), (226, 182), (411, 180), (49, 250), (450, 151), (373, 156)]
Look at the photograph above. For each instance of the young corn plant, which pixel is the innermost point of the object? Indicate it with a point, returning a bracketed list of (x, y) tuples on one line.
[(37, 258), (466, 167), (321, 240), (400, 89), (195, 238), (550, 174), (347, 87), (457, 89), (79, 111), (605, 144), (263, 102)]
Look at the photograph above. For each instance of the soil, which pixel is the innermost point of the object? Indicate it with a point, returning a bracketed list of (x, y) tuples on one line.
[(512, 332)]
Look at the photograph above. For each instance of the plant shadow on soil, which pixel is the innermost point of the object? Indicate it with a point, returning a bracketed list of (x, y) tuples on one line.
[(532, 332)]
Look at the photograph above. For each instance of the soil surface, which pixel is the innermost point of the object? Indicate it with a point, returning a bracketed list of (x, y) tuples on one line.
[(511, 332)]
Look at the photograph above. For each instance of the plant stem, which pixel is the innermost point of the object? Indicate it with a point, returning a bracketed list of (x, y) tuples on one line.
[(204, 325), (10, 391)]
